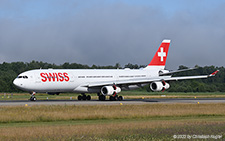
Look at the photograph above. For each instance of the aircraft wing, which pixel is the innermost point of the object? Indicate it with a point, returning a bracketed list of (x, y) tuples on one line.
[(147, 80), (191, 77), (123, 82), (172, 72)]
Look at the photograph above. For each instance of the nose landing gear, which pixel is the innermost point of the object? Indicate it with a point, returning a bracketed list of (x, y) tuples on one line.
[(33, 98)]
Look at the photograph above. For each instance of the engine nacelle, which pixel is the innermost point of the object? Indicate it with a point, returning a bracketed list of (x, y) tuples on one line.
[(159, 86), (110, 90)]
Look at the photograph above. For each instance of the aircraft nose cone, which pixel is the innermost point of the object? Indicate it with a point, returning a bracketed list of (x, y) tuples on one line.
[(16, 83)]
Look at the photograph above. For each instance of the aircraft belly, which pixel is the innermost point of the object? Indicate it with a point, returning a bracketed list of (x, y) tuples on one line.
[(86, 90)]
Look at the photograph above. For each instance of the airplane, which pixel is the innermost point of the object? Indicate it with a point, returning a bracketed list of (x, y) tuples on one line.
[(104, 82)]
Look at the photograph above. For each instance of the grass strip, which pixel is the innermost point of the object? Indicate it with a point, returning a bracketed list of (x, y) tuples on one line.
[(142, 129)]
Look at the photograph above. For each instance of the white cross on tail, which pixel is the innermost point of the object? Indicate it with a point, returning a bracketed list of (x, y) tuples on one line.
[(161, 54)]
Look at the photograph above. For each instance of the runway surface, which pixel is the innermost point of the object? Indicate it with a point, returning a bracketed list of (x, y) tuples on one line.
[(107, 102)]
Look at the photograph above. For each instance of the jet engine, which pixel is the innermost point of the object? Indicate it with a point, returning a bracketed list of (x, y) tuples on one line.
[(159, 86), (110, 90)]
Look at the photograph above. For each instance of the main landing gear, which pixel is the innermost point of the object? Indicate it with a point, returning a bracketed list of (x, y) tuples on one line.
[(116, 98), (101, 97), (84, 97), (111, 98), (33, 98)]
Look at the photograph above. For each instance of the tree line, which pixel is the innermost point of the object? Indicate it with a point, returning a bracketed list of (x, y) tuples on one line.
[(9, 71)]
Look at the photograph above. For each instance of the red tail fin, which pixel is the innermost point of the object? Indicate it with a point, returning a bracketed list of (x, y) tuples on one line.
[(161, 55)]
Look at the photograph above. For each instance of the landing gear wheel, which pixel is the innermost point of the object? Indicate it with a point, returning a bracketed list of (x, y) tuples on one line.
[(101, 98), (111, 98), (33, 98), (120, 98), (88, 97), (116, 97), (79, 97), (84, 97)]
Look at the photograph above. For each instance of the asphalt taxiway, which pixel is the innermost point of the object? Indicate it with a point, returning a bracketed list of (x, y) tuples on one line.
[(107, 102)]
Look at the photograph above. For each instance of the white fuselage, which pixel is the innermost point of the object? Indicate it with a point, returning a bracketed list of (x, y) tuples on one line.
[(74, 80), (105, 82)]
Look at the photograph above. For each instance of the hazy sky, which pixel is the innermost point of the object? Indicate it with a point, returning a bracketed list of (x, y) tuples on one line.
[(106, 32)]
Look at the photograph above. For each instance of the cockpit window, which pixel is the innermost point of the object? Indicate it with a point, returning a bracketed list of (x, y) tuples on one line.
[(24, 77)]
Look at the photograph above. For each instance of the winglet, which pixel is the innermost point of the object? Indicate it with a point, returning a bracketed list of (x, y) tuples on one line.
[(214, 73)]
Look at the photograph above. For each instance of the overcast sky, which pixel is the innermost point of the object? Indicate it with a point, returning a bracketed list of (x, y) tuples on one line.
[(106, 32)]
